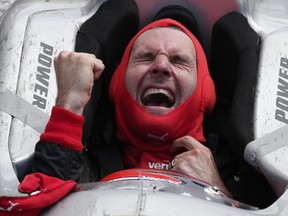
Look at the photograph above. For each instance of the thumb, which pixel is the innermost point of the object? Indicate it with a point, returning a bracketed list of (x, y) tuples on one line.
[(97, 68)]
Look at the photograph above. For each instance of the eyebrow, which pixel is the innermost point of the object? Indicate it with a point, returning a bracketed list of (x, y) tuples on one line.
[(144, 54)]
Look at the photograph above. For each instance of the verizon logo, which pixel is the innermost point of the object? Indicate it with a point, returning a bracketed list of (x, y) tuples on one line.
[(154, 165)]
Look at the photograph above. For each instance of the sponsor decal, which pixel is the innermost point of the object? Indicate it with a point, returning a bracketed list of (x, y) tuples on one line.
[(43, 76), (161, 138), (281, 112), (152, 161), (157, 165)]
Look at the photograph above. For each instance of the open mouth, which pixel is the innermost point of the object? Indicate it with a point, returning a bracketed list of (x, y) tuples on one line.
[(158, 97)]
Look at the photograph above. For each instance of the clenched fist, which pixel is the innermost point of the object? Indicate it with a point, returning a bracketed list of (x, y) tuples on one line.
[(75, 74)]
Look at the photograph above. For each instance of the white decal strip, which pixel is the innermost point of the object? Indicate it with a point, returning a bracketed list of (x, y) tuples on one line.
[(23, 110)]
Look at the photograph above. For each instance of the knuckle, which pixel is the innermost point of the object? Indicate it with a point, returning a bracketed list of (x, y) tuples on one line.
[(197, 152), (100, 61), (206, 150), (180, 165), (186, 138), (190, 158), (63, 54)]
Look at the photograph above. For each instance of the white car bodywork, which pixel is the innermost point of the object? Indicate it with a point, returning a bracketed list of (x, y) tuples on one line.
[(33, 32)]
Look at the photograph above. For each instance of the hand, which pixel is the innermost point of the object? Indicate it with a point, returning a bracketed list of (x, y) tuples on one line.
[(75, 74), (197, 162)]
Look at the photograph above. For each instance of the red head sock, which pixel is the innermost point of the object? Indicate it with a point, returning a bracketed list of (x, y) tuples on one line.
[(148, 137)]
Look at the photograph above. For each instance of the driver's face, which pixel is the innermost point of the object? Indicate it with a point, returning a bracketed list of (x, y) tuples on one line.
[(162, 71)]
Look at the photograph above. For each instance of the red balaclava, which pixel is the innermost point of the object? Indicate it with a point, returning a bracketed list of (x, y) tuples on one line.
[(147, 138)]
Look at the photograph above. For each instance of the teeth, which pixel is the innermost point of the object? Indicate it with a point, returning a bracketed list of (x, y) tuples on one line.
[(151, 91)]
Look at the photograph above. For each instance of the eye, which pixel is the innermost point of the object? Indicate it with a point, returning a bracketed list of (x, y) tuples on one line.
[(178, 59), (147, 56), (183, 62), (141, 57)]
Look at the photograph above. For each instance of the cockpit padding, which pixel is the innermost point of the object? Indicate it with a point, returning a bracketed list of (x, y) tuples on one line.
[(234, 63), (182, 15), (234, 68), (105, 35)]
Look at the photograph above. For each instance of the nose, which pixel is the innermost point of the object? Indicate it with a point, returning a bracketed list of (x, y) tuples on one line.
[(161, 67)]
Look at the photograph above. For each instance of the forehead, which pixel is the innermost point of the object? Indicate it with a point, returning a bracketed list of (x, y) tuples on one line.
[(164, 37)]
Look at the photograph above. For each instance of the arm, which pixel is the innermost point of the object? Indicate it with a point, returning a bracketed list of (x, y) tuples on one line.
[(59, 151), (197, 162)]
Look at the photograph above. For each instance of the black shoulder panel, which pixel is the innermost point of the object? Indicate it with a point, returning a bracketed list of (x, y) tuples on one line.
[(234, 68), (106, 34)]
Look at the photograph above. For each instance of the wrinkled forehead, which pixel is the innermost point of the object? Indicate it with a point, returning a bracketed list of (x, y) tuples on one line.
[(170, 37)]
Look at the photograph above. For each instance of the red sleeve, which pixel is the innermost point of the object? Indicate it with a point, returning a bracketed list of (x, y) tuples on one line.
[(64, 128)]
